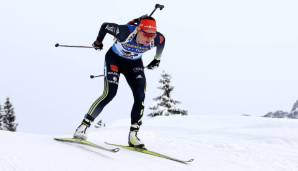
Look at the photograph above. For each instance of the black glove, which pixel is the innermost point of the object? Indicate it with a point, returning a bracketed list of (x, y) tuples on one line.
[(97, 45), (153, 64)]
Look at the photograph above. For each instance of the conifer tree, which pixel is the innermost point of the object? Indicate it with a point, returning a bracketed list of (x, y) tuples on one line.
[(1, 118), (165, 105), (9, 117)]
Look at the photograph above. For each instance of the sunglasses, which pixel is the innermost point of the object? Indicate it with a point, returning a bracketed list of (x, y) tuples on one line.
[(149, 35)]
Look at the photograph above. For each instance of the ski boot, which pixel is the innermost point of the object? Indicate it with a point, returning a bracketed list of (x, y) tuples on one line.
[(80, 132), (133, 139)]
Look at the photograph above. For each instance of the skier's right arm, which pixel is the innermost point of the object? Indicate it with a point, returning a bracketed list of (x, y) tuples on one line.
[(105, 28), (118, 31)]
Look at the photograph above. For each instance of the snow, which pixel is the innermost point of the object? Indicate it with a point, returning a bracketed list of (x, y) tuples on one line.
[(225, 143)]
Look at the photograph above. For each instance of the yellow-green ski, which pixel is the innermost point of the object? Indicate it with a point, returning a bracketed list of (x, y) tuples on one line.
[(85, 142), (152, 153)]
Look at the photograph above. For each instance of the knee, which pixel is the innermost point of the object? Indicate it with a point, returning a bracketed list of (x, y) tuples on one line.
[(139, 98), (110, 92), (110, 95)]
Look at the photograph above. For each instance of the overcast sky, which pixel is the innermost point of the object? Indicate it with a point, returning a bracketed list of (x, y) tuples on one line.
[(226, 58)]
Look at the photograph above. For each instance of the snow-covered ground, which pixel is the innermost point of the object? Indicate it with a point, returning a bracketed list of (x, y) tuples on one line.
[(217, 143)]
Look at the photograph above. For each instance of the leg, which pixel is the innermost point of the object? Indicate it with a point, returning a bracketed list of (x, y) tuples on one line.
[(137, 83), (110, 89)]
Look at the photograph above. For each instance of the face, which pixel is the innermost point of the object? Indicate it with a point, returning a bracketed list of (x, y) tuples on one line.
[(145, 37)]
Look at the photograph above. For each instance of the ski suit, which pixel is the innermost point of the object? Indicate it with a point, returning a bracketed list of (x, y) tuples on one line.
[(124, 57)]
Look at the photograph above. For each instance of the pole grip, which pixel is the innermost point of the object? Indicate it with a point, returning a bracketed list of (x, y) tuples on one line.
[(157, 6)]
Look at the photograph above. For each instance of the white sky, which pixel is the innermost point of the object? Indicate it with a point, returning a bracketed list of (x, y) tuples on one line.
[(226, 57)]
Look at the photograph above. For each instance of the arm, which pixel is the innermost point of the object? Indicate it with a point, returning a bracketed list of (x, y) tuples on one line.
[(105, 28), (120, 32), (159, 42)]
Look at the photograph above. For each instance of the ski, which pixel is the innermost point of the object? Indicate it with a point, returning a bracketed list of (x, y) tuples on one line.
[(152, 153), (88, 143)]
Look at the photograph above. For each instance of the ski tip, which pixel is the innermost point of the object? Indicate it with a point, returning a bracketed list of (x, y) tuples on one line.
[(116, 150), (191, 160)]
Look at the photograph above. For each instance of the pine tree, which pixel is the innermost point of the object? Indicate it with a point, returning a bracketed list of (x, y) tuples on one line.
[(294, 111), (165, 104), (9, 117), (1, 118), (295, 107)]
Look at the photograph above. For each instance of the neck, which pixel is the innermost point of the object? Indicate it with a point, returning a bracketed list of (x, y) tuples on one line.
[(137, 40)]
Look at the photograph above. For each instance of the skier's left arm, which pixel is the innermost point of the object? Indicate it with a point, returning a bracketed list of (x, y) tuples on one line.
[(159, 42)]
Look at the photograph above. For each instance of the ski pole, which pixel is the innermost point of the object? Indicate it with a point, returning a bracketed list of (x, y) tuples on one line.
[(94, 76), (101, 75), (157, 6), (58, 45)]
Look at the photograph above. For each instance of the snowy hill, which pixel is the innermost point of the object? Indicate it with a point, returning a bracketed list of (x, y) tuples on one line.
[(234, 143)]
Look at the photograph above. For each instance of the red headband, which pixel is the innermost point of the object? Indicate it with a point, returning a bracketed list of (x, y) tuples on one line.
[(147, 24)]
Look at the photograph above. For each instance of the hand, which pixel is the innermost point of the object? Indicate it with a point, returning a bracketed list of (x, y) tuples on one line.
[(97, 45), (153, 64)]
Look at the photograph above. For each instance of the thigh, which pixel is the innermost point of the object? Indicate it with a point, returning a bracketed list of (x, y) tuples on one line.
[(136, 79), (111, 72)]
